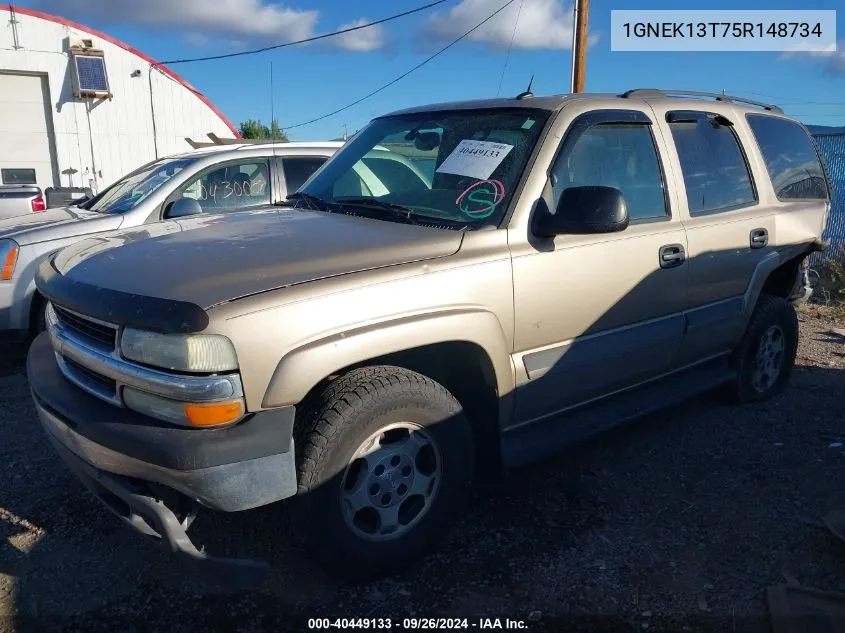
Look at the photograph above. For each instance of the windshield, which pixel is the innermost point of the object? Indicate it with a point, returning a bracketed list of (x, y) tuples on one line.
[(460, 167), (131, 190)]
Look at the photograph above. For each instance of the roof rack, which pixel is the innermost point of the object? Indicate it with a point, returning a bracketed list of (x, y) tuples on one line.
[(655, 92)]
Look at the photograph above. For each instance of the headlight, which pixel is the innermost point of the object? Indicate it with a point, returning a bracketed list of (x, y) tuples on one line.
[(200, 353), (8, 258), (207, 414)]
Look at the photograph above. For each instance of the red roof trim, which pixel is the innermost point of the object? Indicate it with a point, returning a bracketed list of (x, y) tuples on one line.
[(126, 47)]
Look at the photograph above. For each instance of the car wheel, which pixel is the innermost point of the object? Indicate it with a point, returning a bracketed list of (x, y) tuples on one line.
[(766, 355), (385, 462)]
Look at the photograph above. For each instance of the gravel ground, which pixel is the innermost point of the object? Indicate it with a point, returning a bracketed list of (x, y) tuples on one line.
[(677, 522)]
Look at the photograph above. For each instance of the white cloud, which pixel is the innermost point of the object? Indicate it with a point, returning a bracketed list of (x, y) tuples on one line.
[(252, 18), (216, 23), (543, 24), (196, 39), (363, 40), (834, 56)]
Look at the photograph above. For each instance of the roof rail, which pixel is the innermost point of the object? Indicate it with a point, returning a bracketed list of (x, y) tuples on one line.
[(654, 92)]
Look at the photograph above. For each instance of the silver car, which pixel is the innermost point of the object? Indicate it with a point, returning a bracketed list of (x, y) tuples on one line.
[(18, 200), (211, 180)]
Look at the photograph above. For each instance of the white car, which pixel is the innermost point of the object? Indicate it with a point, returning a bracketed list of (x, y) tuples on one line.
[(220, 179)]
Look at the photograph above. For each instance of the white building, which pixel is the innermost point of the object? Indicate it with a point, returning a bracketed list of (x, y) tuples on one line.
[(80, 108)]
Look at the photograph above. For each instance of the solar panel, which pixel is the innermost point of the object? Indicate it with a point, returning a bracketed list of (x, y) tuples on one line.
[(91, 73)]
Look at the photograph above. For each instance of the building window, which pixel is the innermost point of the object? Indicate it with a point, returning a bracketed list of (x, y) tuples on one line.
[(18, 176)]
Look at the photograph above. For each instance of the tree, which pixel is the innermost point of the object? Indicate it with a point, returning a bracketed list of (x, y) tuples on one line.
[(257, 130)]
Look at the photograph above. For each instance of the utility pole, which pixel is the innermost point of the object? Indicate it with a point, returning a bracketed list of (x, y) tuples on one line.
[(345, 134), (579, 45)]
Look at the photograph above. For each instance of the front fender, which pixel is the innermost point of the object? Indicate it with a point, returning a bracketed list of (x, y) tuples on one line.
[(303, 368)]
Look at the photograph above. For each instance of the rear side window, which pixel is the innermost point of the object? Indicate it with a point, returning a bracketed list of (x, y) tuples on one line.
[(715, 173), (791, 160), (298, 170)]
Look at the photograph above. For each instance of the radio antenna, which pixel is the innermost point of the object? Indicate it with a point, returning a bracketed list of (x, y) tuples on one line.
[(272, 115), (527, 94)]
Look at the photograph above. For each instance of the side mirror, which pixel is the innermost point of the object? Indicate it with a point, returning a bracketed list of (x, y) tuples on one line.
[(586, 210), (182, 208)]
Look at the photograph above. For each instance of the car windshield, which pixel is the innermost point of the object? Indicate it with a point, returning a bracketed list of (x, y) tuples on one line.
[(131, 190), (453, 168)]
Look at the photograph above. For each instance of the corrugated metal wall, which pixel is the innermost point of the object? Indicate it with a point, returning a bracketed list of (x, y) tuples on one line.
[(97, 142), (832, 147)]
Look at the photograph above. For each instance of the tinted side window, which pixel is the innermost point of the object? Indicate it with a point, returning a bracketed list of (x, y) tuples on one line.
[(231, 186), (791, 159), (298, 170), (616, 155), (715, 173)]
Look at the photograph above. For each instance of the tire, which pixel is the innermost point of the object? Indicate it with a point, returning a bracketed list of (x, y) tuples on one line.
[(332, 466), (766, 355)]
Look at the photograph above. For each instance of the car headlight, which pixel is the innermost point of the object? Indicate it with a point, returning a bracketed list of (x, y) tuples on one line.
[(8, 258), (200, 353)]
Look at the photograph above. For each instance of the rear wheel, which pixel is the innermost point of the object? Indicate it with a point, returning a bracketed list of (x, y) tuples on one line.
[(766, 355), (385, 463)]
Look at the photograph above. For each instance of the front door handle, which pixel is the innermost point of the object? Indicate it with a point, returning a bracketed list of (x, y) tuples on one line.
[(759, 238), (672, 255)]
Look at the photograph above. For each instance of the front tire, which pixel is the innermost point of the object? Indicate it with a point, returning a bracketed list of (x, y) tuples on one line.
[(385, 463), (766, 355)]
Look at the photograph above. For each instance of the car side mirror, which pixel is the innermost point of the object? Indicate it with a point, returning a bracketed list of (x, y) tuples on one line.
[(183, 207), (586, 210)]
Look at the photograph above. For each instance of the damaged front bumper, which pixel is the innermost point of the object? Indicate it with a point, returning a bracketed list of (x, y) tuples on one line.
[(154, 475)]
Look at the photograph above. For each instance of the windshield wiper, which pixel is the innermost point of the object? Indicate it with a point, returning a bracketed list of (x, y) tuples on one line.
[(313, 202), (395, 210)]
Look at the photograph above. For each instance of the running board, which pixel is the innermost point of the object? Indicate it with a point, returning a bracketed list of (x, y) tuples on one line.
[(544, 437)]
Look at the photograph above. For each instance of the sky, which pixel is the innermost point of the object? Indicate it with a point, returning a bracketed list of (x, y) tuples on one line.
[(313, 79)]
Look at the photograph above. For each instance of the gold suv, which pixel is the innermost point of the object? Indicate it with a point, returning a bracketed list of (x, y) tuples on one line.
[(521, 273)]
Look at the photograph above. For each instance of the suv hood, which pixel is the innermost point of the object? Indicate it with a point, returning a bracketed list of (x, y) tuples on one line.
[(213, 259), (56, 223)]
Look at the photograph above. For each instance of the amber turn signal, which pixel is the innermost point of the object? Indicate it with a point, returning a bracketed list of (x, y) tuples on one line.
[(213, 414), (9, 264)]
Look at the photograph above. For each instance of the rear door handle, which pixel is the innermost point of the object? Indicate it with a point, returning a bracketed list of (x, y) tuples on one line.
[(672, 255), (759, 238)]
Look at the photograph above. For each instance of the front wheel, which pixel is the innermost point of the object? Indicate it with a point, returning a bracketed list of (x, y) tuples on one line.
[(385, 464), (766, 354)]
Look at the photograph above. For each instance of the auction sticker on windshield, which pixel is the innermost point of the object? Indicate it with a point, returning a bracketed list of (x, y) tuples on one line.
[(476, 159)]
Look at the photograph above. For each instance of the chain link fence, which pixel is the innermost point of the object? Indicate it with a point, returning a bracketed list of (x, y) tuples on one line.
[(832, 149)]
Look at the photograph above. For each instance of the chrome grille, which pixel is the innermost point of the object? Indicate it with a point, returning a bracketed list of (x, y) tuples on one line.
[(95, 332), (91, 377)]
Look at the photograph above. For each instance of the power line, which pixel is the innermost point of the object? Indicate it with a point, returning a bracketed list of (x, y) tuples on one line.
[(186, 60), (510, 45), (405, 74)]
